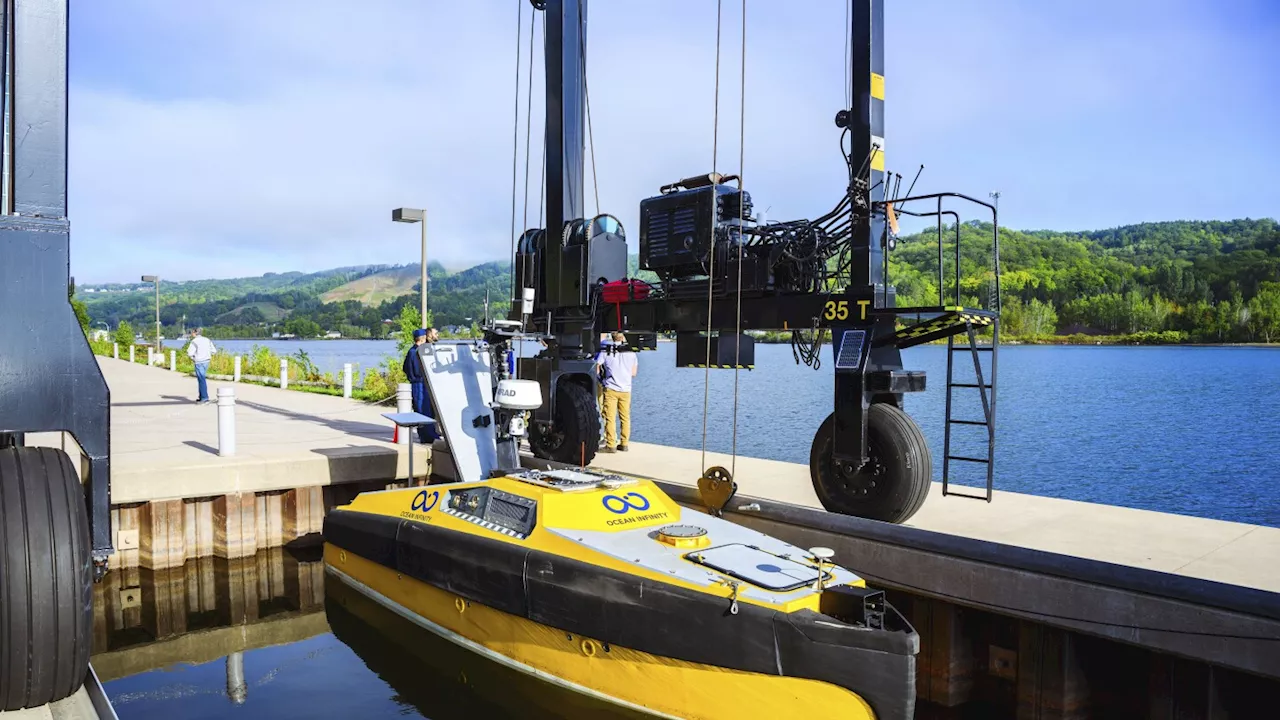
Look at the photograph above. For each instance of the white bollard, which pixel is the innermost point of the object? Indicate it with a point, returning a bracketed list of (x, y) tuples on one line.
[(237, 690), (173, 361), (346, 380), (284, 373), (404, 404), (236, 377), (131, 349), (226, 421), (151, 358), (115, 350)]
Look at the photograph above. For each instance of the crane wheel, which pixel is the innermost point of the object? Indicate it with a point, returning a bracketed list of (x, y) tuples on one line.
[(574, 435), (46, 578), (895, 481)]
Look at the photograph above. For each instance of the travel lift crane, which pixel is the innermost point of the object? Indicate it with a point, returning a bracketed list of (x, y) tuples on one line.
[(54, 530), (721, 272)]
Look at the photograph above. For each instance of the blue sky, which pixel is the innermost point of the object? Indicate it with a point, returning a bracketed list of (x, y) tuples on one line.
[(237, 138)]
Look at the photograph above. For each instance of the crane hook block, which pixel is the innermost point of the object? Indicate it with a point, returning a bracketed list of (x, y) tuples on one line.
[(716, 488)]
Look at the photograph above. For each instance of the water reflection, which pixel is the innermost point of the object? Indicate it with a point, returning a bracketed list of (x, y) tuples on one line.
[(439, 679), (206, 609)]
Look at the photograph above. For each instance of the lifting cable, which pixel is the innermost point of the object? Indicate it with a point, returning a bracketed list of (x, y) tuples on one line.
[(528, 114), (542, 168), (715, 147), (591, 137), (742, 154), (515, 137)]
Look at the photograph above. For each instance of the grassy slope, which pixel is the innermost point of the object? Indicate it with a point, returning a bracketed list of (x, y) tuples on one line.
[(376, 288), (271, 311)]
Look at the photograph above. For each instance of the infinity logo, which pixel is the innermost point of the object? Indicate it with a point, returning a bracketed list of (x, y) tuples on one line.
[(620, 505), (422, 503)]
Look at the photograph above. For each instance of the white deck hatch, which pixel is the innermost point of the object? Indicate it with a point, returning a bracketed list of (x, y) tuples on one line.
[(756, 566)]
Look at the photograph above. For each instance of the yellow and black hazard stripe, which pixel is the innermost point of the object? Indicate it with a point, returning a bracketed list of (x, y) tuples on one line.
[(952, 323), (721, 367)]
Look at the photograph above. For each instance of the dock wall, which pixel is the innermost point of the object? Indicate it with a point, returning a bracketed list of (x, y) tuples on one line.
[(160, 534)]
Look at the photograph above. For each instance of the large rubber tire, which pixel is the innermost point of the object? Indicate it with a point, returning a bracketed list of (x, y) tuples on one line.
[(575, 433), (893, 484), (46, 578)]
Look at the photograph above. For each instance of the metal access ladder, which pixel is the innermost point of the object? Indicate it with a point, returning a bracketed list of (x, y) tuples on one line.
[(986, 392), (950, 322)]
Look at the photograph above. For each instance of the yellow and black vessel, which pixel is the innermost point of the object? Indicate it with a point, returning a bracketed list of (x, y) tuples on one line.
[(603, 585)]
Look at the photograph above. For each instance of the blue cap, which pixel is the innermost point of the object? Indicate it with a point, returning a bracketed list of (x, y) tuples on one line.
[(419, 333)]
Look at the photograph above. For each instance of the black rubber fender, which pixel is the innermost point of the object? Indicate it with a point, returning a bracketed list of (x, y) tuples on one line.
[(46, 578)]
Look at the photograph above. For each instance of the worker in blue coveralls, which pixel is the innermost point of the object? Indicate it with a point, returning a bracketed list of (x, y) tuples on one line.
[(417, 377)]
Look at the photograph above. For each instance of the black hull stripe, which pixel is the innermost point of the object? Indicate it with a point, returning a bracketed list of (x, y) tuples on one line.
[(634, 612)]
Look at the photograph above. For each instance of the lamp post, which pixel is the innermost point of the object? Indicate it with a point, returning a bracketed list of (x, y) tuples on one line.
[(155, 279), (413, 215)]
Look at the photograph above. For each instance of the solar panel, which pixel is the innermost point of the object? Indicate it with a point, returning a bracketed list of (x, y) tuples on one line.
[(850, 355)]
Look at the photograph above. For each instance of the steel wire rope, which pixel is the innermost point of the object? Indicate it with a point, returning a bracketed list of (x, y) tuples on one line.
[(848, 57), (515, 134), (528, 119), (542, 168), (591, 138), (715, 149), (742, 154)]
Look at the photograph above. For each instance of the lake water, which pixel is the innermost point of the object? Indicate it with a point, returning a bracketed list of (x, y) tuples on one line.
[(327, 355), (1189, 430)]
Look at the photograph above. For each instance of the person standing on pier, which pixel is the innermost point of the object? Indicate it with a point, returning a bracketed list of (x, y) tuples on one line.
[(417, 377), (619, 366), (201, 351)]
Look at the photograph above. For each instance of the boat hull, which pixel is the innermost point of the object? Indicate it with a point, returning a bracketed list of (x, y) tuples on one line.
[(632, 680)]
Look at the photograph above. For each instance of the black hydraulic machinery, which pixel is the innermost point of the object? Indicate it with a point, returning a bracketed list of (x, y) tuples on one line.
[(721, 272)]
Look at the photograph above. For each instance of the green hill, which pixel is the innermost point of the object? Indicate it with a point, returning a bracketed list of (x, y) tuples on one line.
[(204, 301)]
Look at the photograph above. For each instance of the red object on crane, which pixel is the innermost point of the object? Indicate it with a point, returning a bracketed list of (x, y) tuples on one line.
[(621, 291)]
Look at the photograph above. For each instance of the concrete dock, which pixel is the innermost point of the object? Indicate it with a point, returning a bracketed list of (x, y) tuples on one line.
[(174, 498)]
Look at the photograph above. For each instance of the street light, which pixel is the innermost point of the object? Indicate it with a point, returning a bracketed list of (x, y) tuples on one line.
[(155, 279), (412, 215)]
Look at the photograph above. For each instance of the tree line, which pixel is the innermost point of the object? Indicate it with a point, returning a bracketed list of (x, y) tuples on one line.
[(1194, 281)]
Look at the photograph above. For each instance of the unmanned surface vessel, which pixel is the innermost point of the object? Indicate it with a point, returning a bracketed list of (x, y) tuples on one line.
[(603, 585)]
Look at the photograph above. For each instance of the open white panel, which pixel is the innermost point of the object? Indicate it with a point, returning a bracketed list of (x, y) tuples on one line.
[(458, 378)]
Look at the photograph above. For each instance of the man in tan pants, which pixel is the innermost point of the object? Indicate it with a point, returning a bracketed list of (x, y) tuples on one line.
[(619, 367)]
